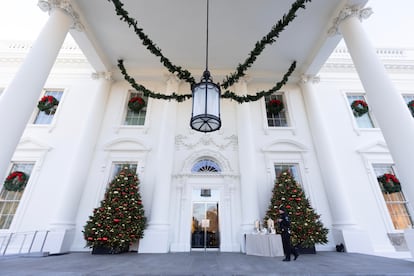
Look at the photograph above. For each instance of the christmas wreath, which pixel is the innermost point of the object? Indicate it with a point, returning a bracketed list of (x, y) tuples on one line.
[(411, 107), (136, 104), (389, 183), (359, 107), (15, 181), (275, 106), (48, 104)]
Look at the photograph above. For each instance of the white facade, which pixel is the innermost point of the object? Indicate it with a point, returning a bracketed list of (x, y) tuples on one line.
[(75, 153)]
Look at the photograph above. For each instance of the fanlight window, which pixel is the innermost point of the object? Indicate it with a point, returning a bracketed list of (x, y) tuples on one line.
[(206, 165)]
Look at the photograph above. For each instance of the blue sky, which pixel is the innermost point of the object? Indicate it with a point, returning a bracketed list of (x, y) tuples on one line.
[(389, 26)]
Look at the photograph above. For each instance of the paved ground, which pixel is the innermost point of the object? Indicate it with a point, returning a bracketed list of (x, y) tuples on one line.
[(204, 263)]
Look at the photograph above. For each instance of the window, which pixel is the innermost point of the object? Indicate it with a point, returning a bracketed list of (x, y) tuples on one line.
[(45, 119), (9, 200), (365, 120), (118, 166), (407, 99), (136, 118), (280, 119), (292, 168), (206, 165), (396, 202)]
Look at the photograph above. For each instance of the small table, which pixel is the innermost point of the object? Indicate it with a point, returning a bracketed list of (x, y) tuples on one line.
[(268, 245)]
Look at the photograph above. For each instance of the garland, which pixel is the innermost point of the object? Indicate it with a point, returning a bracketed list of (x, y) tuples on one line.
[(260, 45), (186, 75), (48, 104), (359, 107), (123, 14), (147, 92), (226, 95), (411, 107), (275, 106), (15, 181), (136, 104), (390, 183), (261, 94)]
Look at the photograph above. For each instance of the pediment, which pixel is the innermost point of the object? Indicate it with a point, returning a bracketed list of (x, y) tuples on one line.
[(285, 146), (129, 144), (376, 147), (27, 143)]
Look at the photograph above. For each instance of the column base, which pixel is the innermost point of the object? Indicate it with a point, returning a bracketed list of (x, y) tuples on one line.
[(155, 240), (409, 239), (59, 241), (354, 240)]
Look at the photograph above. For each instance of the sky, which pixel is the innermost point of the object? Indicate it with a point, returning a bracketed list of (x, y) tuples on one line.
[(390, 25)]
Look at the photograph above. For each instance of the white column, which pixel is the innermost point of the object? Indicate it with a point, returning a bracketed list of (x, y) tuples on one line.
[(339, 202), (78, 167), (385, 102), (249, 195), (21, 95), (63, 222), (156, 237)]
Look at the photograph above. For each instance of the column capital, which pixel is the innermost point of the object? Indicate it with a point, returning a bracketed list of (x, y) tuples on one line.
[(65, 6), (346, 13), (102, 75), (309, 79)]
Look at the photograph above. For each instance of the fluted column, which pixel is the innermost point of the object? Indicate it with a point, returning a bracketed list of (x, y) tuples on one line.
[(339, 202), (21, 95), (249, 195), (385, 102), (156, 238)]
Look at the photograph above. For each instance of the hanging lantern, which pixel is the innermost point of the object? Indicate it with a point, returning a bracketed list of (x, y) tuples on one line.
[(205, 116)]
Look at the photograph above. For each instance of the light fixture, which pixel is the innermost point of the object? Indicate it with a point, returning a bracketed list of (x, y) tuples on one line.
[(205, 116)]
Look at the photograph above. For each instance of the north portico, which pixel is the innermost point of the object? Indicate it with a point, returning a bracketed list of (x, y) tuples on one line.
[(229, 173)]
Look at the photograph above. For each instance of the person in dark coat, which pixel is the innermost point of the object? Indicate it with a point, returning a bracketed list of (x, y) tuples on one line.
[(284, 226)]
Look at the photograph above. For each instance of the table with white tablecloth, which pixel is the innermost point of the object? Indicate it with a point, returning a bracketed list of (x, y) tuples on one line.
[(269, 245)]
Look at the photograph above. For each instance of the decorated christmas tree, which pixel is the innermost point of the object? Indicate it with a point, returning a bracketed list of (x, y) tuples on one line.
[(120, 219), (306, 226)]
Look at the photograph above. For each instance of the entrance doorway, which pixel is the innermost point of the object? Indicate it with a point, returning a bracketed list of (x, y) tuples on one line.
[(205, 232)]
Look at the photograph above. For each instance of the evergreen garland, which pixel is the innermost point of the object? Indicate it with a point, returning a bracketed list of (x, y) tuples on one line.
[(123, 14), (186, 75), (260, 45)]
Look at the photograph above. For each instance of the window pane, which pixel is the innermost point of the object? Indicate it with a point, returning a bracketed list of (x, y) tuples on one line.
[(396, 202), (9, 200), (292, 168), (42, 118), (365, 120), (276, 120), (118, 166), (136, 118)]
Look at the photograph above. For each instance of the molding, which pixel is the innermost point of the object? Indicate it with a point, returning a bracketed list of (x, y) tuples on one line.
[(206, 140), (346, 13), (65, 6)]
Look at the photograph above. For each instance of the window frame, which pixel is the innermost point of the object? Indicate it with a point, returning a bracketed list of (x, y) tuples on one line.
[(13, 167), (356, 120), (285, 112), (127, 111), (386, 210)]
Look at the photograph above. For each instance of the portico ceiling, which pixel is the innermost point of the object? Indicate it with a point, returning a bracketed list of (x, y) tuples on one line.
[(178, 28)]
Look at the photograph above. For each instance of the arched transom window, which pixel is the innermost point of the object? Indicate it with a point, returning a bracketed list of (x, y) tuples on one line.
[(206, 165)]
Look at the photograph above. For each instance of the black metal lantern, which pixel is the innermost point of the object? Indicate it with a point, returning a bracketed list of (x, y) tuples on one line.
[(205, 116)]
